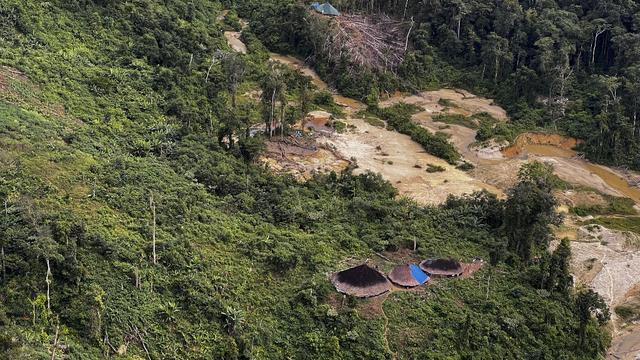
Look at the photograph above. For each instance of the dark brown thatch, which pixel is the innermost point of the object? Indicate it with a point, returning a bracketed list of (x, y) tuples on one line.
[(401, 275), (361, 281), (441, 267)]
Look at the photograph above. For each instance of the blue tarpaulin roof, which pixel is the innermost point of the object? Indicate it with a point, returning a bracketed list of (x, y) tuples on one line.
[(418, 274), (325, 9)]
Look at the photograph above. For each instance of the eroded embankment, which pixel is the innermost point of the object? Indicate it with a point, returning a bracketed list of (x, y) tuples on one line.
[(543, 143)]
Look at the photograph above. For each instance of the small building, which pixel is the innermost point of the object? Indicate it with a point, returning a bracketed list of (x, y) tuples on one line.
[(408, 275), (361, 281), (325, 9), (442, 267)]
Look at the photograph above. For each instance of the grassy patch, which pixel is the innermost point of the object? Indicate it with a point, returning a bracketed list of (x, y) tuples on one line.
[(628, 312), (500, 131), (398, 117), (456, 119), (340, 126), (446, 103), (465, 166), (374, 121), (631, 223), (616, 205)]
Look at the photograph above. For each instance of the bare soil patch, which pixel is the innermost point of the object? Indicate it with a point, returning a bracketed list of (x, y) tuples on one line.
[(233, 38), (572, 198), (464, 103), (302, 157), (555, 140)]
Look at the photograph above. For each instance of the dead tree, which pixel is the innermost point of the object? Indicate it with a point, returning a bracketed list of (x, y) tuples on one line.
[(55, 343), (599, 31), (4, 268), (406, 41), (48, 281)]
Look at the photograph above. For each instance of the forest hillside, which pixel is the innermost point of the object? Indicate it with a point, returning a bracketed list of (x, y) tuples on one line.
[(137, 221)]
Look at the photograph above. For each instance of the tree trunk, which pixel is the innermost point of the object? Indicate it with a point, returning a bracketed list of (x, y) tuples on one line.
[(55, 343), (406, 41), (273, 105), (4, 268), (283, 106), (458, 31), (136, 273), (635, 115), (404, 13), (152, 204), (48, 281), (213, 61), (595, 45)]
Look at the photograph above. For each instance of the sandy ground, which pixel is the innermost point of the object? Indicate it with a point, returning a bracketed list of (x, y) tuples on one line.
[(616, 252), (402, 162), (233, 38), (499, 167), (465, 103), (302, 161)]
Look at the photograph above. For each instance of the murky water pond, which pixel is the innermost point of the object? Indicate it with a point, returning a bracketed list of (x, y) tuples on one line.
[(612, 179)]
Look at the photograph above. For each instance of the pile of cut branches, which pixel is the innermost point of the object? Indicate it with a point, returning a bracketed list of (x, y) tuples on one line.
[(376, 42)]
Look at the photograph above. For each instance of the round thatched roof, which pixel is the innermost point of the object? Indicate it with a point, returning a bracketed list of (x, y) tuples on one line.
[(361, 281), (441, 267), (408, 275)]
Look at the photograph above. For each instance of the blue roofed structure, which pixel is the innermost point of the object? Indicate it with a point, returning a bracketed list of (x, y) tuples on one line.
[(418, 274), (408, 275), (325, 9)]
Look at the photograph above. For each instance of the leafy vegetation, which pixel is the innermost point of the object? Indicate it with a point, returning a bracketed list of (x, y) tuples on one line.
[(630, 223), (628, 312), (431, 168), (457, 119), (615, 206), (136, 224)]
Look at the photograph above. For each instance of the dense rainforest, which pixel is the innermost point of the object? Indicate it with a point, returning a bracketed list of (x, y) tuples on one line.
[(570, 66), (136, 224)]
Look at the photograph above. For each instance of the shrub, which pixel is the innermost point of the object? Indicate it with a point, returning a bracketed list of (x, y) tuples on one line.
[(431, 168)]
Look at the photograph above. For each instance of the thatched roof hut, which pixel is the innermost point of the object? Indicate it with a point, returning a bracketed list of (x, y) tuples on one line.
[(361, 281), (408, 275), (442, 267)]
